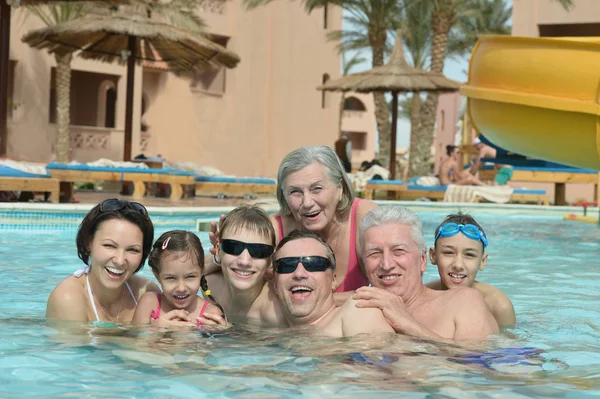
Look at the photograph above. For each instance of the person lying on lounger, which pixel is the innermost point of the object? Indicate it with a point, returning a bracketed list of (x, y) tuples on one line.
[(459, 257), (504, 172), (451, 171)]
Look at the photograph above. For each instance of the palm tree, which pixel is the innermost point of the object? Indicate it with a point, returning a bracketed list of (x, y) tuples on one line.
[(346, 68), (371, 20), (53, 15)]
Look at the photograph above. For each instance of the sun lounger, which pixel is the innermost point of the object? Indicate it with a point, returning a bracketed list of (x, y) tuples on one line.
[(177, 180), (415, 191), (543, 172), (16, 180), (246, 186)]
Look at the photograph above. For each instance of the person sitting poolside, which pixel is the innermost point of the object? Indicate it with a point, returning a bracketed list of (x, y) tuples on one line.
[(113, 240), (459, 257), (504, 172), (304, 281), (394, 254), (451, 171)]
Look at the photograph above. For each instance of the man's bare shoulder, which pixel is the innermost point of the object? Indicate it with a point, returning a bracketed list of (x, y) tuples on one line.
[(460, 297), (434, 285), (362, 320)]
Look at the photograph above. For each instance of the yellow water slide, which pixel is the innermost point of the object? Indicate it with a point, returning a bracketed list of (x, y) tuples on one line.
[(538, 96)]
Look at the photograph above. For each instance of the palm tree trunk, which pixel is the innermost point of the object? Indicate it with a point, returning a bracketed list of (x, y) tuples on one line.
[(382, 111), (420, 157), (63, 107), (415, 111)]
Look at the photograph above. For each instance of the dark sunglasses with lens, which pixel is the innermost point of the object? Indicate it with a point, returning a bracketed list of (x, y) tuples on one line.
[(116, 204), (258, 251), (310, 263)]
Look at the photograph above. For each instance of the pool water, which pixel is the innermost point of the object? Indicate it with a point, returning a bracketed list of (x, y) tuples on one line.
[(546, 266)]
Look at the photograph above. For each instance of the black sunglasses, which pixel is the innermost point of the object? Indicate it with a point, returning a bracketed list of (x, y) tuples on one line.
[(258, 251), (116, 204), (310, 263)]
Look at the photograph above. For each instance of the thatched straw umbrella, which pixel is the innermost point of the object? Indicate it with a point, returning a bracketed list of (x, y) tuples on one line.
[(396, 77), (126, 36)]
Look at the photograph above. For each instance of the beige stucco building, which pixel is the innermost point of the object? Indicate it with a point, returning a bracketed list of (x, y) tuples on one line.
[(242, 121)]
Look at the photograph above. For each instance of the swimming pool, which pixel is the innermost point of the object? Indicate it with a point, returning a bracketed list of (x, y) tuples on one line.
[(546, 266)]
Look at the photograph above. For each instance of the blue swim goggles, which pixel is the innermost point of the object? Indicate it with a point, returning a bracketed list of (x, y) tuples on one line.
[(469, 230)]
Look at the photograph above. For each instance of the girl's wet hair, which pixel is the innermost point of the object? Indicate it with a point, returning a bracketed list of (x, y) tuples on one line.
[(183, 242), (91, 222), (249, 217), (450, 149)]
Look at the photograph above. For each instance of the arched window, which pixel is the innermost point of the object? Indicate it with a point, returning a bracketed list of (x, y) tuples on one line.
[(107, 104), (354, 104), (323, 98)]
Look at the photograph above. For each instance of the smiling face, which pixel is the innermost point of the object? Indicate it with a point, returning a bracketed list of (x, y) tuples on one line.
[(306, 296), (392, 259), (115, 252), (243, 272), (179, 278), (312, 197), (458, 259)]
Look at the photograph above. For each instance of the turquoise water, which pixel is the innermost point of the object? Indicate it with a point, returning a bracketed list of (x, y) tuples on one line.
[(547, 267)]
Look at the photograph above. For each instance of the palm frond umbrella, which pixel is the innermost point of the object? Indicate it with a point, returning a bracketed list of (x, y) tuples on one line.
[(395, 77), (122, 36)]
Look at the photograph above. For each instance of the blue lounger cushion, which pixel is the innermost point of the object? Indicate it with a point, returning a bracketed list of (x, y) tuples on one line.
[(391, 182), (87, 168), (5, 171), (236, 180), (556, 169)]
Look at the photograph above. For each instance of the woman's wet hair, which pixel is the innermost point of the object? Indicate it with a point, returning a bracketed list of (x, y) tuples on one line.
[(91, 222), (450, 149), (305, 156), (249, 217), (184, 243)]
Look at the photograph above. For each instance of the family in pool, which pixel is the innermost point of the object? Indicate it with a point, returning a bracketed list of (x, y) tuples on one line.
[(328, 260)]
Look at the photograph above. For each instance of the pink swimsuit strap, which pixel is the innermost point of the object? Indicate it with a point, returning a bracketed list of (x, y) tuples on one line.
[(156, 312), (202, 312), (280, 225), (354, 277)]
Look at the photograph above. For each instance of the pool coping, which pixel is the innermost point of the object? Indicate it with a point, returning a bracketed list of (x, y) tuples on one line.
[(272, 206)]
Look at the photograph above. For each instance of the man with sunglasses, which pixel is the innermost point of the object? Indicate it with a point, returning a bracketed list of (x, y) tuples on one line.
[(304, 281), (394, 254)]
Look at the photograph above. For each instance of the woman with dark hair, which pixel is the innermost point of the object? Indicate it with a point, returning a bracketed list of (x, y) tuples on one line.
[(114, 240), (451, 171)]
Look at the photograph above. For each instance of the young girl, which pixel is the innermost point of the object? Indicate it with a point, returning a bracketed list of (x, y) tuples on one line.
[(247, 241), (177, 261), (459, 257)]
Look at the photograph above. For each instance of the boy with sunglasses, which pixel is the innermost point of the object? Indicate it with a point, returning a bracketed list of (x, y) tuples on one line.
[(459, 257), (304, 280)]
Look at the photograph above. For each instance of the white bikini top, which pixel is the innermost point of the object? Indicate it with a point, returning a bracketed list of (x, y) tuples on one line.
[(86, 270)]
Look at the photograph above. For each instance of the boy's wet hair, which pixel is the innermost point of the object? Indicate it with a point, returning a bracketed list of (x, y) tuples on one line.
[(252, 218), (459, 218), (183, 242)]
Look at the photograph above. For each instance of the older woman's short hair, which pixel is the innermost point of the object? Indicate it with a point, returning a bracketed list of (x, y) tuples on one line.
[(303, 157), (390, 214)]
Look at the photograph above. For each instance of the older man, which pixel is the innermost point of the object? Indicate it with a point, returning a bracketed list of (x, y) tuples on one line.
[(394, 254), (304, 279)]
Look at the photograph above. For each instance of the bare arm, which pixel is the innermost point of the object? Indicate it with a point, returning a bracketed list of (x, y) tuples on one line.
[(67, 302), (473, 320), (502, 309), (362, 321), (147, 303)]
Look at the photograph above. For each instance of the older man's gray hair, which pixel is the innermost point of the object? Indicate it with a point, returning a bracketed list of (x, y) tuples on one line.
[(393, 215)]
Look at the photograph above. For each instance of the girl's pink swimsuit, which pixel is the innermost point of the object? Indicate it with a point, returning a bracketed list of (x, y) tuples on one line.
[(156, 312)]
